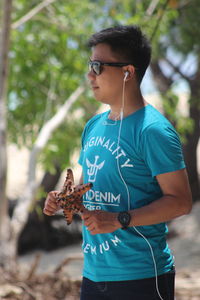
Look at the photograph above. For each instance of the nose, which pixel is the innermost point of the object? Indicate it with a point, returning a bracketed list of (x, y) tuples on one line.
[(91, 75)]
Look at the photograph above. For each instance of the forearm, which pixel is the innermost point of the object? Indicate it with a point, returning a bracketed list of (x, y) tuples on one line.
[(176, 201), (164, 209), (161, 210)]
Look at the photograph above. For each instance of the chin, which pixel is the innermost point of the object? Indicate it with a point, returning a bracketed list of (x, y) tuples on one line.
[(98, 97), (101, 99), (104, 101)]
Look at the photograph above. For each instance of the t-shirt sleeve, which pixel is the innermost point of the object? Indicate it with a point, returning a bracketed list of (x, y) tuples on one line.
[(161, 149)]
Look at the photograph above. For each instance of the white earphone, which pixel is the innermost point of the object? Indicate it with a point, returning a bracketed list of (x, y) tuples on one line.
[(126, 75)]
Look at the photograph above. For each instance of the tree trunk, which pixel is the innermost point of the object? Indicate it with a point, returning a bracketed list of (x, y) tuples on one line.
[(162, 82), (190, 148), (49, 180), (21, 211), (4, 49)]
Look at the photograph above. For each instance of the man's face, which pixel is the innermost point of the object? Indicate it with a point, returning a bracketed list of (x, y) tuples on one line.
[(107, 87)]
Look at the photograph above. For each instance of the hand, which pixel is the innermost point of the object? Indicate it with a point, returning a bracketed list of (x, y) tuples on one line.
[(99, 221), (50, 206)]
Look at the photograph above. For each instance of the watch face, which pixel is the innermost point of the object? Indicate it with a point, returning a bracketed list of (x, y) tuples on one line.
[(124, 218)]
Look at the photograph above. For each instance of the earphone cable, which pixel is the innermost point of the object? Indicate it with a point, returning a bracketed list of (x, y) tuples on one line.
[(127, 190)]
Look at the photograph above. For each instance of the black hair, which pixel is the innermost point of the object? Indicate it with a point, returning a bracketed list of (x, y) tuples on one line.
[(129, 43)]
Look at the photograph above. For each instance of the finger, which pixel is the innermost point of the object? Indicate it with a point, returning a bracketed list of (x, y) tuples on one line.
[(94, 231), (85, 210), (48, 212), (53, 194), (91, 228), (86, 214), (52, 197), (88, 222), (50, 206)]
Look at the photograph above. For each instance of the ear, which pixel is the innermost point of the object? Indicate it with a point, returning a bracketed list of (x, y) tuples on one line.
[(129, 72)]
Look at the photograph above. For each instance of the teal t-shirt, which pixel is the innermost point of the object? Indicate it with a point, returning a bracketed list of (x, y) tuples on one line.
[(148, 146)]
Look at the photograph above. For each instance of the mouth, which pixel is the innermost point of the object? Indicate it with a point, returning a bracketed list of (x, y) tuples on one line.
[(94, 87)]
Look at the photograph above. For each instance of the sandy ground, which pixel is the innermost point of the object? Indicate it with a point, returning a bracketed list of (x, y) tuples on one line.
[(186, 245), (51, 260)]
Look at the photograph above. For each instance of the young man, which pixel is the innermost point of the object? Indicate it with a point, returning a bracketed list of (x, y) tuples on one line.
[(133, 157)]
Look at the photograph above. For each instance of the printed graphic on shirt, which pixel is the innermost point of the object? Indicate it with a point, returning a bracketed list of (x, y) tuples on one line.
[(95, 199), (95, 164), (93, 168), (101, 248), (112, 147)]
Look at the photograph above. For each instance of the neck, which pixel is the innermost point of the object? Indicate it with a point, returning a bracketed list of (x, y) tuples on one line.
[(132, 102)]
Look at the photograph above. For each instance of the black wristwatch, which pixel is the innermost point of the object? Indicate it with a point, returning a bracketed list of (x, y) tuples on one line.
[(124, 219)]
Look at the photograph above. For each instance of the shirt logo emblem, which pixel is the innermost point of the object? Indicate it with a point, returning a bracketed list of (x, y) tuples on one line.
[(93, 168)]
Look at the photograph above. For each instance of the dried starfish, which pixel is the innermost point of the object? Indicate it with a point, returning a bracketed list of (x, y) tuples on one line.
[(69, 199)]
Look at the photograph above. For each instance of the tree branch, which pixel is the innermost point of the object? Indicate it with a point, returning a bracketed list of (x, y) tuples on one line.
[(32, 13), (4, 49), (48, 129), (21, 211), (176, 69), (162, 82), (159, 20), (152, 7)]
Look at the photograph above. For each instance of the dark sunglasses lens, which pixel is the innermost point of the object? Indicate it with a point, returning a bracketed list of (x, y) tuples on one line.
[(95, 67)]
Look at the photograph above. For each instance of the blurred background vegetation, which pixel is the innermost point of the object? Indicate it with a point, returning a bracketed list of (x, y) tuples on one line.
[(47, 65)]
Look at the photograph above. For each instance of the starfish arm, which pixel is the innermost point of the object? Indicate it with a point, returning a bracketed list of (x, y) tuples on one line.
[(68, 215), (69, 199), (81, 189), (68, 186)]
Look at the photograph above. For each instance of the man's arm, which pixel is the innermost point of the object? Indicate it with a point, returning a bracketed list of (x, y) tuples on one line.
[(176, 201)]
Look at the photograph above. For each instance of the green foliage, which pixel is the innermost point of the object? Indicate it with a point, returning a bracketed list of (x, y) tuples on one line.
[(184, 125), (48, 61), (171, 25), (170, 102), (186, 32)]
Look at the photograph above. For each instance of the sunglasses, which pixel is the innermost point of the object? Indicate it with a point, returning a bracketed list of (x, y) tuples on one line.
[(96, 66)]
